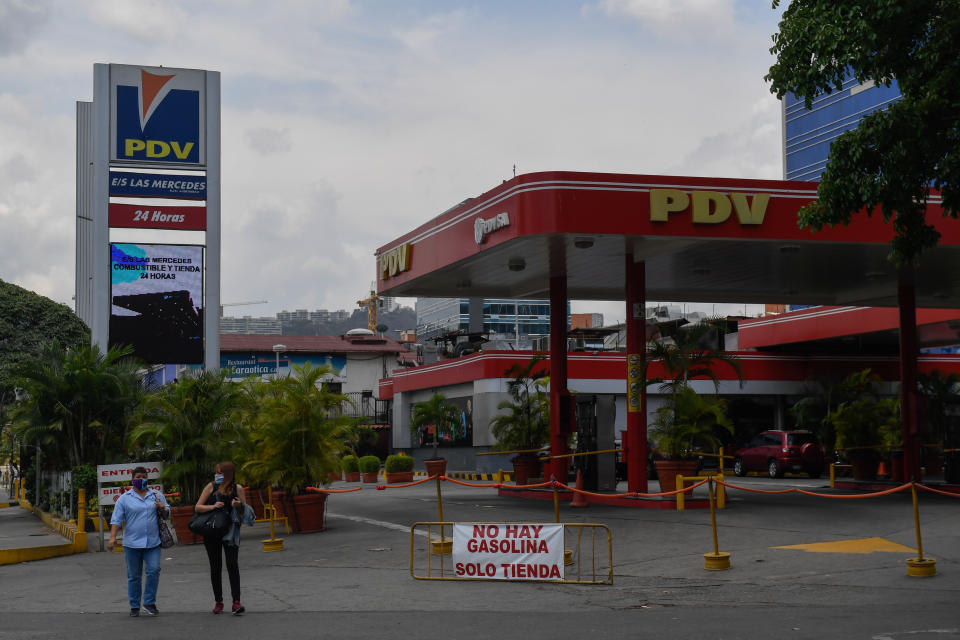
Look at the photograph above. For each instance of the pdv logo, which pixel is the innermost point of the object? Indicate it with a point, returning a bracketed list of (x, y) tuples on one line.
[(158, 117)]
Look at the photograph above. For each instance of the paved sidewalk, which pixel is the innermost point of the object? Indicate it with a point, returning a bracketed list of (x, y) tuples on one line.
[(20, 529)]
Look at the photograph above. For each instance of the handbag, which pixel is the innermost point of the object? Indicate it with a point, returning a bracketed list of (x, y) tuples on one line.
[(210, 524), (168, 535)]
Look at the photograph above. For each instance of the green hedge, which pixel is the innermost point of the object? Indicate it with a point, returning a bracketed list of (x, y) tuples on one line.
[(398, 463), (369, 464), (349, 464)]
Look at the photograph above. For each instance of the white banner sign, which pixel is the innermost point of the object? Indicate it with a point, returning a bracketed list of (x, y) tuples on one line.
[(114, 479), (508, 551), (109, 495)]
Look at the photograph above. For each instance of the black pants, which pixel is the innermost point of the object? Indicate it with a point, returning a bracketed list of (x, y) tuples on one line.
[(213, 547)]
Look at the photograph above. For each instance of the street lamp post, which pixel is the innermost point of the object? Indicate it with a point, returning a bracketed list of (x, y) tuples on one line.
[(277, 348)]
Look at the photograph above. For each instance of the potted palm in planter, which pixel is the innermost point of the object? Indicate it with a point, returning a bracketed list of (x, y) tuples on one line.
[(369, 468), (863, 426), (441, 416), (525, 426), (689, 421), (351, 468), (399, 468), (300, 438), (191, 421)]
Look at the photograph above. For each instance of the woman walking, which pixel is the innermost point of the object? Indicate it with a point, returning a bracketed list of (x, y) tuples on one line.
[(220, 493), (137, 510)]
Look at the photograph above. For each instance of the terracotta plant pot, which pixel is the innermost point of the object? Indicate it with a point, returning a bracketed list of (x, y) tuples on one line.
[(667, 471), (352, 476), (255, 500), (335, 476), (399, 476), (864, 463), (370, 477), (304, 511), (525, 467), (180, 516), (436, 467)]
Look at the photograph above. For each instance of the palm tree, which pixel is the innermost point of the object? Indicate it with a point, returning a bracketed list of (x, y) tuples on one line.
[(78, 402), (690, 421), (435, 412), (192, 421), (686, 353), (526, 425), (300, 431)]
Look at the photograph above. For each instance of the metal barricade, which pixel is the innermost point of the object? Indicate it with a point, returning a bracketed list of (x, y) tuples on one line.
[(590, 565)]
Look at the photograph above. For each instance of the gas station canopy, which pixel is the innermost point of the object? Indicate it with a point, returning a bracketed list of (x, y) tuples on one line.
[(702, 239)]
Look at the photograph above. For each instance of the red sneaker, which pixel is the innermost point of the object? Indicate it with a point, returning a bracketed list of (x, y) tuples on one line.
[(218, 608), (237, 608)]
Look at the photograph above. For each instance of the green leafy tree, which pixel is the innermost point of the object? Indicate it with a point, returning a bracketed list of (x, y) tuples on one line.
[(526, 423), (78, 403), (938, 390), (300, 432), (823, 395), (28, 322), (892, 159), (435, 412), (193, 423)]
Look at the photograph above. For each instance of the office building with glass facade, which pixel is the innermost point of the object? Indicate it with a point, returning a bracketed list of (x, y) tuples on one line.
[(502, 318), (808, 133)]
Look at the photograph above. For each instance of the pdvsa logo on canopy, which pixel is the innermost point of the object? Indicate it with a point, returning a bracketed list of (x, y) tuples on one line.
[(157, 115)]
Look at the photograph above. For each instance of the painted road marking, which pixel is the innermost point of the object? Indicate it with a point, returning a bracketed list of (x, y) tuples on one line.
[(377, 523), (861, 545)]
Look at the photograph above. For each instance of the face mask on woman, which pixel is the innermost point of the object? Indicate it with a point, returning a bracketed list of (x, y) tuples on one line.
[(139, 484), (218, 478)]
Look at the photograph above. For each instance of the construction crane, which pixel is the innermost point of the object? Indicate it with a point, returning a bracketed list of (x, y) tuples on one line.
[(240, 304), (372, 303)]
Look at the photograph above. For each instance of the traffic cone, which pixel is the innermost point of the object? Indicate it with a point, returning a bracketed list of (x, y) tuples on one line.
[(579, 500)]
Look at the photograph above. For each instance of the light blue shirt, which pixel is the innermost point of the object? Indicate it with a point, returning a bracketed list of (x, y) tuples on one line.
[(139, 518)]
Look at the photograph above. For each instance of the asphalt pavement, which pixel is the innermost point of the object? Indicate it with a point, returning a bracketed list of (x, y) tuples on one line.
[(354, 580)]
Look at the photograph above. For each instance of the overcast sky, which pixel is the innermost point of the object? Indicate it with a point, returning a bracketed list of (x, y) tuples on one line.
[(346, 123)]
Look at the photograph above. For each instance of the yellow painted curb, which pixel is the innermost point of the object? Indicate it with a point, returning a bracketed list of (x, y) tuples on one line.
[(921, 567), (77, 538)]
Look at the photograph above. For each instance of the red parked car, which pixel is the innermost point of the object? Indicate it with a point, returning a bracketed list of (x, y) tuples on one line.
[(778, 451)]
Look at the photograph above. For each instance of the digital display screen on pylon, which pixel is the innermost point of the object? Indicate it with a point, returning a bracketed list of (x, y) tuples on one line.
[(156, 295)]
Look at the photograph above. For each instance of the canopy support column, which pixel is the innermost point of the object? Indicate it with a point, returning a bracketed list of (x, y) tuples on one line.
[(560, 405), (636, 444), (907, 303)]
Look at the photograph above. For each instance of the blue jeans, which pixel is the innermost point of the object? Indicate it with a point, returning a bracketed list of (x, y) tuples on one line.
[(137, 559)]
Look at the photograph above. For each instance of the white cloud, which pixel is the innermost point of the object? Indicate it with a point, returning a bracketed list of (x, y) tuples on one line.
[(346, 125), (673, 19), (19, 22)]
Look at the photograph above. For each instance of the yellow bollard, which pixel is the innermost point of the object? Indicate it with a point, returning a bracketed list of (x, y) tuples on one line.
[(919, 567), (717, 560), (681, 503), (441, 546), (721, 494), (833, 476), (274, 543), (81, 509)]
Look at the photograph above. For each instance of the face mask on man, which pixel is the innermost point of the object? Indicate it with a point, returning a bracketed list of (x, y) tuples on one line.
[(218, 478), (139, 484)]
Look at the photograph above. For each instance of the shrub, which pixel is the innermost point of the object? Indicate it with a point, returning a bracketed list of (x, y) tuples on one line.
[(349, 464), (369, 464), (398, 463)]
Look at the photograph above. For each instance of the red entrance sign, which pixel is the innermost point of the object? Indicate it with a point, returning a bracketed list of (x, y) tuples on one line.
[(136, 216)]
